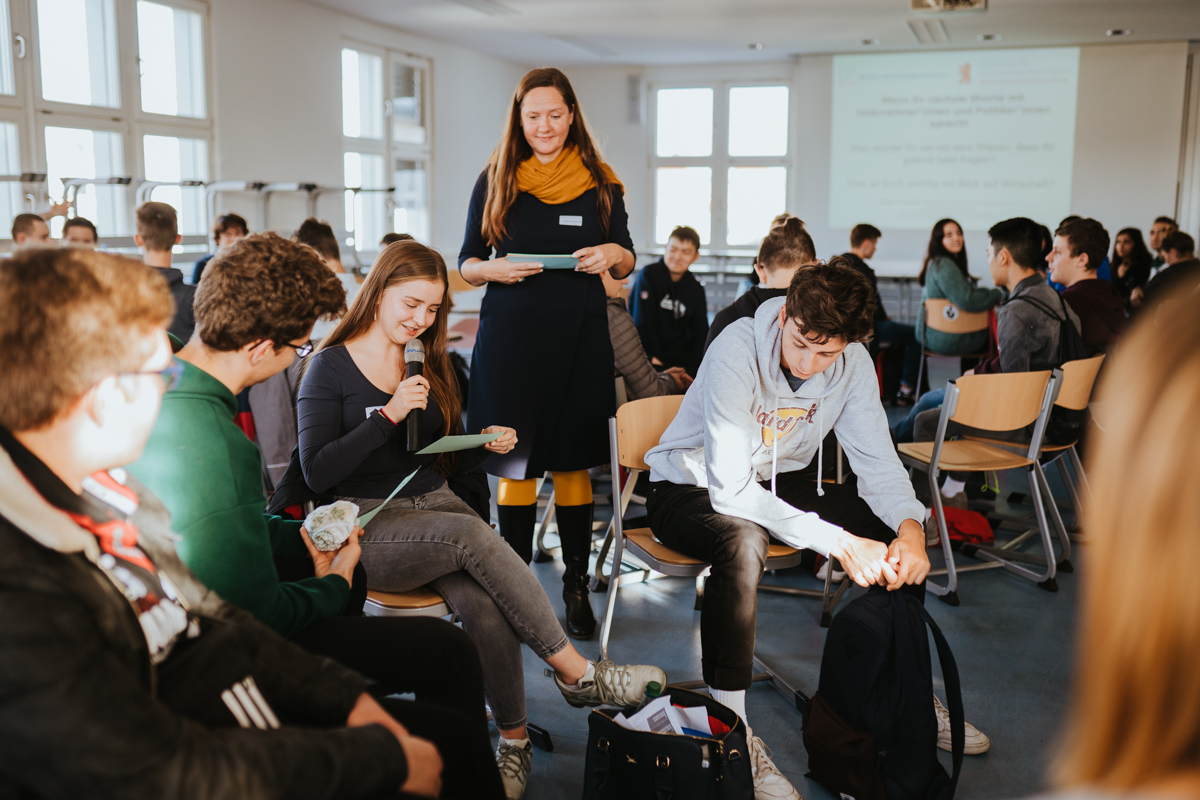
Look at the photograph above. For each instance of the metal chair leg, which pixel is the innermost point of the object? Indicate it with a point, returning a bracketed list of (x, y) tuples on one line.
[(543, 553), (610, 601), (921, 374)]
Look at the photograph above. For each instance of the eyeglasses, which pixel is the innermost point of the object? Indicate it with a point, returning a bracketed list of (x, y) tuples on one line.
[(169, 374), (301, 349)]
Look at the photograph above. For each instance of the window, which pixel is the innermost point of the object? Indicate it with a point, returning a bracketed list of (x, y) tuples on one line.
[(720, 161), (362, 95), (377, 134), (78, 44), (8, 83), (365, 210), (171, 55), (174, 159), (82, 153), (12, 199)]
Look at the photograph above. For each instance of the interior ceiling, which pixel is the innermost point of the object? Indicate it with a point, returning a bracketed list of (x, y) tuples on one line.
[(593, 32)]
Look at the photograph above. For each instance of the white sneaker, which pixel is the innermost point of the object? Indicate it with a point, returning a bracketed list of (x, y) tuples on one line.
[(612, 685), (838, 575), (515, 762), (933, 536), (976, 741), (769, 782)]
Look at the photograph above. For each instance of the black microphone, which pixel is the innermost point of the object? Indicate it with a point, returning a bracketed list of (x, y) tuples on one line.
[(414, 364)]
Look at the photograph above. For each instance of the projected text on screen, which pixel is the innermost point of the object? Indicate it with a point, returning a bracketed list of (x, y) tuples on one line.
[(980, 136)]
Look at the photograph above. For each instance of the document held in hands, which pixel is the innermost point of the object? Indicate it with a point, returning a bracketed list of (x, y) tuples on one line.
[(363, 519), (547, 262), (448, 444), (659, 716)]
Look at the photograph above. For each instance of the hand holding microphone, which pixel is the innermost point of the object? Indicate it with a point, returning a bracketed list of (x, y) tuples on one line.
[(412, 395)]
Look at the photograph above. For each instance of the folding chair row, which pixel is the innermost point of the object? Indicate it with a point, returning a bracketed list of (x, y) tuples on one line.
[(1006, 402), (945, 317)]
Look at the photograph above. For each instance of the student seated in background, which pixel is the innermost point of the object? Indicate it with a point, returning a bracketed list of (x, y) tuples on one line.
[(392, 238), (784, 249), (353, 404), (1077, 246), (727, 477), (669, 306), (80, 232), (157, 233), (1182, 269), (1134, 717), (1028, 328), (225, 231), (30, 230), (1131, 261), (629, 359), (1162, 227), (944, 276), (209, 477), (748, 283), (320, 237), (1102, 272), (863, 240), (124, 675)]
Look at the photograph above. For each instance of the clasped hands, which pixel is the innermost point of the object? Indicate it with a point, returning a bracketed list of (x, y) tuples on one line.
[(871, 563)]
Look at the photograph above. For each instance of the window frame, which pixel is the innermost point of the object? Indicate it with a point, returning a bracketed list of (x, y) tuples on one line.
[(720, 161), (33, 114), (387, 147)]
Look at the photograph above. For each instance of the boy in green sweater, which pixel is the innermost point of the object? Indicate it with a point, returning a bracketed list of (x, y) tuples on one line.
[(255, 311)]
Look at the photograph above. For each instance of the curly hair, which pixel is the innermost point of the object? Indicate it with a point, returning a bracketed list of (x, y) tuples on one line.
[(832, 301), (264, 287)]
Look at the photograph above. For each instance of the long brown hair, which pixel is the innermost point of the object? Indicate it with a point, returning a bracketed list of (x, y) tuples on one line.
[(1135, 718), (399, 263), (938, 250), (513, 149)]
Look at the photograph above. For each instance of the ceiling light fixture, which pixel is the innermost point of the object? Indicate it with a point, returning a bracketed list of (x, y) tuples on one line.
[(989, 37), (1118, 32), (870, 42), (756, 46)]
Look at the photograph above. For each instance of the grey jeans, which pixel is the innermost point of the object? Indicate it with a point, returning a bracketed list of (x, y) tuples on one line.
[(436, 539)]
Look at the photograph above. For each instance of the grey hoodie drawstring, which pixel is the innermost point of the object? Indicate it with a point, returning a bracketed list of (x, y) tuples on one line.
[(775, 450), (820, 456)]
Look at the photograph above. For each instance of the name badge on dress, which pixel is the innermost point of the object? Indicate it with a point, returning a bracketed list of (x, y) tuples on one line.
[(567, 219), (371, 409)]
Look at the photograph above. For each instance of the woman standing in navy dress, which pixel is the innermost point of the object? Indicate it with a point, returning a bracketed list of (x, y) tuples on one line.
[(543, 361)]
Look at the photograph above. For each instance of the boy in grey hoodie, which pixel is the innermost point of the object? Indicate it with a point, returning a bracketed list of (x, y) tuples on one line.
[(726, 476)]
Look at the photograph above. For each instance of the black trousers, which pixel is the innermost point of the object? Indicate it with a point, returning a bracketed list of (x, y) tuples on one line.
[(682, 517)]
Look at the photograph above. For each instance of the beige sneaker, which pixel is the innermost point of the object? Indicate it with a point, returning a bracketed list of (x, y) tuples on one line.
[(769, 782), (976, 741), (932, 537), (612, 685), (515, 762)]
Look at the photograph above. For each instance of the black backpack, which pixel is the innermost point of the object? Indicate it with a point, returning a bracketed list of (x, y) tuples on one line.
[(870, 730), (1065, 425)]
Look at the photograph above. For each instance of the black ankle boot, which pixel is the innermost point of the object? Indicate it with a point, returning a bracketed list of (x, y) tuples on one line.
[(575, 532), (516, 528)]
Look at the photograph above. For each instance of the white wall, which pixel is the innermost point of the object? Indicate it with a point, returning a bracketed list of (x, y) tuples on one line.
[(1127, 143), (278, 107)]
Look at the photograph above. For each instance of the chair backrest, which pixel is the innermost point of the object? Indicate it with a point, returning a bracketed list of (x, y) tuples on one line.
[(458, 283), (942, 315), (1078, 379), (640, 424), (1004, 402)]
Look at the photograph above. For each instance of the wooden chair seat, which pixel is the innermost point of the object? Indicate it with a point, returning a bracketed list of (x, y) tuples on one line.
[(645, 541), (1046, 446), (966, 455), (414, 600)]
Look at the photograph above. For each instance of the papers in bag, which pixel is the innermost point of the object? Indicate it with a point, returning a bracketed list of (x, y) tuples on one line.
[(660, 716)]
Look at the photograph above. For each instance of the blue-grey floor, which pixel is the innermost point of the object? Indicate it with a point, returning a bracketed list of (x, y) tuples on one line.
[(1011, 639)]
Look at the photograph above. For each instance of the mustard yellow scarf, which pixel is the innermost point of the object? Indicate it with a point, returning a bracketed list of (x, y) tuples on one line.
[(560, 181)]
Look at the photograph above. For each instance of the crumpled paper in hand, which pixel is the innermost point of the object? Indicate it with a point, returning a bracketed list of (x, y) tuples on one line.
[(330, 526)]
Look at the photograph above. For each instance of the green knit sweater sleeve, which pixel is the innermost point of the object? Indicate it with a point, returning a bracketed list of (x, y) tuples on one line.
[(209, 476)]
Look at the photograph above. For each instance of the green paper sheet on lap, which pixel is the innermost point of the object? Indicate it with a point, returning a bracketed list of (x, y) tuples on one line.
[(363, 519), (448, 444)]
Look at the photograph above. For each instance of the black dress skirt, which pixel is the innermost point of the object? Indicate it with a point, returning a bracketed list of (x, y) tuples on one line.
[(543, 360)]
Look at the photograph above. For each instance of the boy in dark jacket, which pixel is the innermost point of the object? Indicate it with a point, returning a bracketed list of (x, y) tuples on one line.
[(1079, 247), (123, 675), (669, 306)]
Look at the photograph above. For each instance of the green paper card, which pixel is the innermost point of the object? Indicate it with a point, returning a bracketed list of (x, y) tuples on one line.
[(448, 444), (547, 262), (370, 515)]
